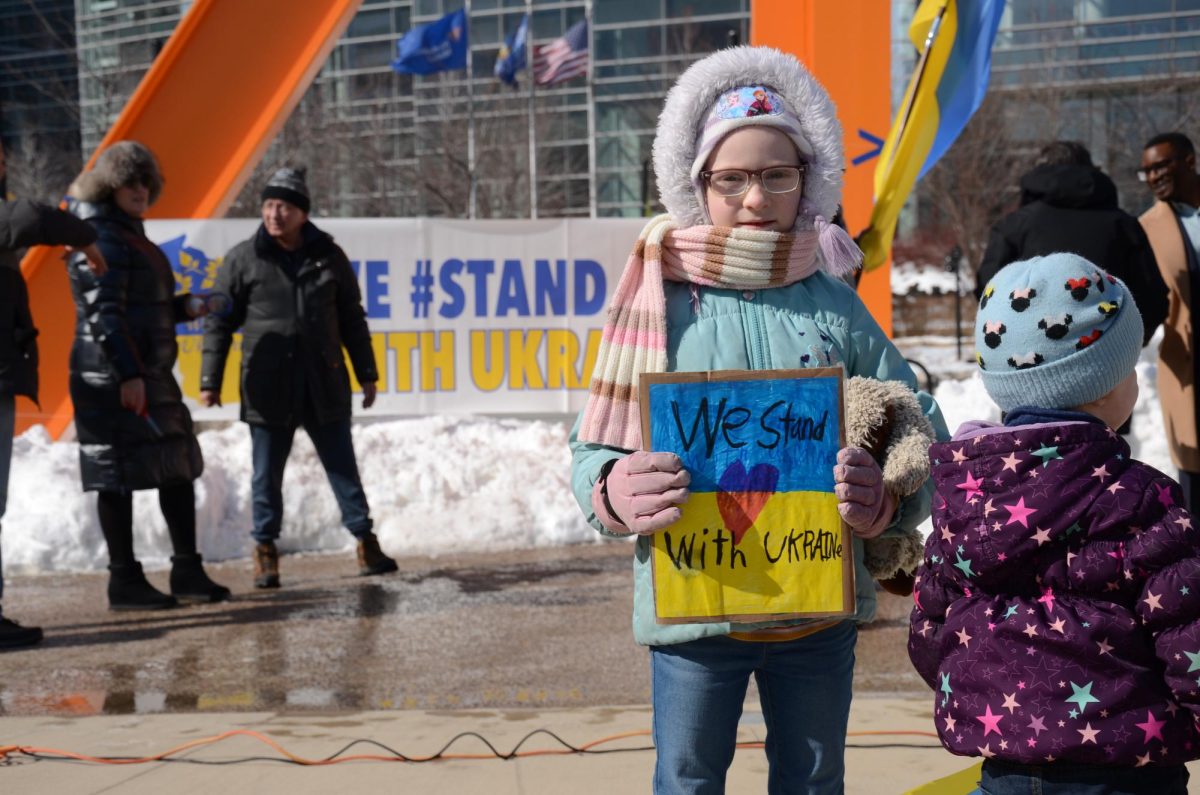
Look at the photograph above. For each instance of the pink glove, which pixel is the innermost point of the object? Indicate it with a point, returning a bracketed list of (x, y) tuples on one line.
[(863, 502), (641, 493)]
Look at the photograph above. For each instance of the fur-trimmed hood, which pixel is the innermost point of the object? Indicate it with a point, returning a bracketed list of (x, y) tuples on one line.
[(693, 96), (122, 163)]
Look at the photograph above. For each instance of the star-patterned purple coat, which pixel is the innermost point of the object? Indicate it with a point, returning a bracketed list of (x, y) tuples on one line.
[(1057, 611)]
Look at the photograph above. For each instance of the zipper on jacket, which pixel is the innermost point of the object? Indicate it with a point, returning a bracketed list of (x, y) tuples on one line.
[(754, 327)]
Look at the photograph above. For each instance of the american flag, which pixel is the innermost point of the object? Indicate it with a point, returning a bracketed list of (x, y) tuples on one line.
[(563, 58)]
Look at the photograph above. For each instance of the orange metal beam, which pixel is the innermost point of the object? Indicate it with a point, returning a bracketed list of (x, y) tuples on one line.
[(847, 45), (214, 99)]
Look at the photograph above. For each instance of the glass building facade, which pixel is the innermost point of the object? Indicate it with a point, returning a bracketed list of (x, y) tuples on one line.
[(378, 143), (391, 144), (39, 115)]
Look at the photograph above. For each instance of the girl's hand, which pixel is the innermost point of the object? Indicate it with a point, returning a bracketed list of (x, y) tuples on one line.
[(645, 490), (865, 505)]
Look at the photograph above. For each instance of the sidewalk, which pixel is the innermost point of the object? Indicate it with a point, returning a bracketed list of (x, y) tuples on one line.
[(876, 770)]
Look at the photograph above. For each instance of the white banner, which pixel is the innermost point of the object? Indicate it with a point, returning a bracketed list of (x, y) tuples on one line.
[(465, 316)]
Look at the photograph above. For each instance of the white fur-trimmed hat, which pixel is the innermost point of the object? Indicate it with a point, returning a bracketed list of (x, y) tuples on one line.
[(692, 99)]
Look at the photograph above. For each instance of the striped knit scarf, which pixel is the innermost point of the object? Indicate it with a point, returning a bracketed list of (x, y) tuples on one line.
[(635, 337)]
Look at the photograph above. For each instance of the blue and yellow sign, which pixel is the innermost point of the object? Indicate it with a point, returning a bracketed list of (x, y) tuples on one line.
[(760, 537)]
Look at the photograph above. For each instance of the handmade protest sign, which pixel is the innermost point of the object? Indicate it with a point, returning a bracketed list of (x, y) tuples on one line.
[(761, 537)]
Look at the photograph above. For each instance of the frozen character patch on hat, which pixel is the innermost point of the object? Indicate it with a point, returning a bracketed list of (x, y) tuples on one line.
[(1025, 361), (993, 333), (1021, 298), (738, 103), (1056, 326), (1078, 287), (761, 106)]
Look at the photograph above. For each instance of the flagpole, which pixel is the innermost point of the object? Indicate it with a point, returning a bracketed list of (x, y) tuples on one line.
[(532, 136), (471, 209), (591, 104), (918, 74)]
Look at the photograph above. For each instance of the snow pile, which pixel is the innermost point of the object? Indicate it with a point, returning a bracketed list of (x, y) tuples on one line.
[(436, 485), (912, 277)]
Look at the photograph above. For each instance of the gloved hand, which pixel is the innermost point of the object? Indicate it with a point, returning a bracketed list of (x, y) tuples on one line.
[(863, 502), (642, 493)]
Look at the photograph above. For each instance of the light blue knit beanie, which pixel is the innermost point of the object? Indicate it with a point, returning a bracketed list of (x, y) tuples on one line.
[(1055, 332)]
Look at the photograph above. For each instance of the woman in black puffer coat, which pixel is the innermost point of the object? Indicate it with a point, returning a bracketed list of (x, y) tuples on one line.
[(134, 430)]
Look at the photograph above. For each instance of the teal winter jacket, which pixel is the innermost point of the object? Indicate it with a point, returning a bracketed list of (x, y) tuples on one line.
[(816, 322)]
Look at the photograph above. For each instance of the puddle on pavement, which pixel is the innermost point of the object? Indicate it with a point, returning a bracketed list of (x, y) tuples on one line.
[(490, 579), (149, 701)]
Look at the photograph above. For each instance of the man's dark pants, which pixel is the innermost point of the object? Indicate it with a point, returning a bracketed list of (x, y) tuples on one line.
[(271, 445)]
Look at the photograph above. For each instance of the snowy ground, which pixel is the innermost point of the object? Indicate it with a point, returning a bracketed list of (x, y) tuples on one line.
[(436, 485)]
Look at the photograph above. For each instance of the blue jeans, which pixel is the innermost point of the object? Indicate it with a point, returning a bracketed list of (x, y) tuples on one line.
[(271, 445), (804, 687), (1065, 778), (8, 422)]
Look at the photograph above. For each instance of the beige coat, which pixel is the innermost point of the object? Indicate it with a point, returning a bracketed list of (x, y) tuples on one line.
[(1176, 387)]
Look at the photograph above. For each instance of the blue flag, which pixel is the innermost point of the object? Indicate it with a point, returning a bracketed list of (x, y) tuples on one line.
[(511, 58), (436, 47)]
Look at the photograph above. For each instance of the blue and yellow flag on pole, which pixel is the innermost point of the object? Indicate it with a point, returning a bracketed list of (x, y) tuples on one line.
[(511, 58), (955, 38)]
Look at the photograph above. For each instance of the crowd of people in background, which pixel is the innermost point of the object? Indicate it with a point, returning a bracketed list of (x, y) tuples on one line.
[(133, 428)]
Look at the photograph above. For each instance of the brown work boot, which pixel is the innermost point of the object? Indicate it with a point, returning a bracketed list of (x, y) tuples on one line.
[(371, 559), (266, 565)]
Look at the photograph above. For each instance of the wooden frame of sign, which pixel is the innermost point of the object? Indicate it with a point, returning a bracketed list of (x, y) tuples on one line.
[(760, 538)]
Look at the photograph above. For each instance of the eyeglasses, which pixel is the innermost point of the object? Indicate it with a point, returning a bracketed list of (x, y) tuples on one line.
[(736, 181), (1143, 174)]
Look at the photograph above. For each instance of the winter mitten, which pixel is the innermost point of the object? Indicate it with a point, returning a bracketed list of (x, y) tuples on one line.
[(863, 502), (641, 493)]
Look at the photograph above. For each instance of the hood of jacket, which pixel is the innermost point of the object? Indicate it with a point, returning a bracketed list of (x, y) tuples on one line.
[(693, 95), (1069, 185), (1020, 481)]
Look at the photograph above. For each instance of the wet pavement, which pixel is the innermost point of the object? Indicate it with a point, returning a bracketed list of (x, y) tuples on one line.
[(487, 646), (538, 628)]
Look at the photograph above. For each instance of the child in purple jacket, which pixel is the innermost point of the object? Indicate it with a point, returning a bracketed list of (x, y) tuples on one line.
[(1057, 612)]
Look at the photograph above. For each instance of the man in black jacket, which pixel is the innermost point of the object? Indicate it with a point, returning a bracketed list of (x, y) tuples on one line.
[(24, 223), (1067, 204), (295, 297)]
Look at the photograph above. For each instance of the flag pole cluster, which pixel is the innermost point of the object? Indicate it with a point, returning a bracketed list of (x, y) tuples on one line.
[(442, 46)]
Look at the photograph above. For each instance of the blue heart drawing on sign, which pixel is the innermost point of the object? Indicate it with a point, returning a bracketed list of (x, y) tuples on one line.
[(743, 494)]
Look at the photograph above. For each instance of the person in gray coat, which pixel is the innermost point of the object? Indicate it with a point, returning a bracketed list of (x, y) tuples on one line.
[(295, 298)]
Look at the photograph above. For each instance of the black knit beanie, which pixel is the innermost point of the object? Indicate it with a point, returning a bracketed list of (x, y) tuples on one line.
[(288, 184)]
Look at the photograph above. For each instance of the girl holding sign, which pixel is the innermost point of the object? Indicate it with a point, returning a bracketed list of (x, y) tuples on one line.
[(744, 272)]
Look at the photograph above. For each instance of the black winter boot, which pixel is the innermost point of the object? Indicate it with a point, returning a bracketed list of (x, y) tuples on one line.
[(371, 559), (128, 589), (190, 583), (13, 635)]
